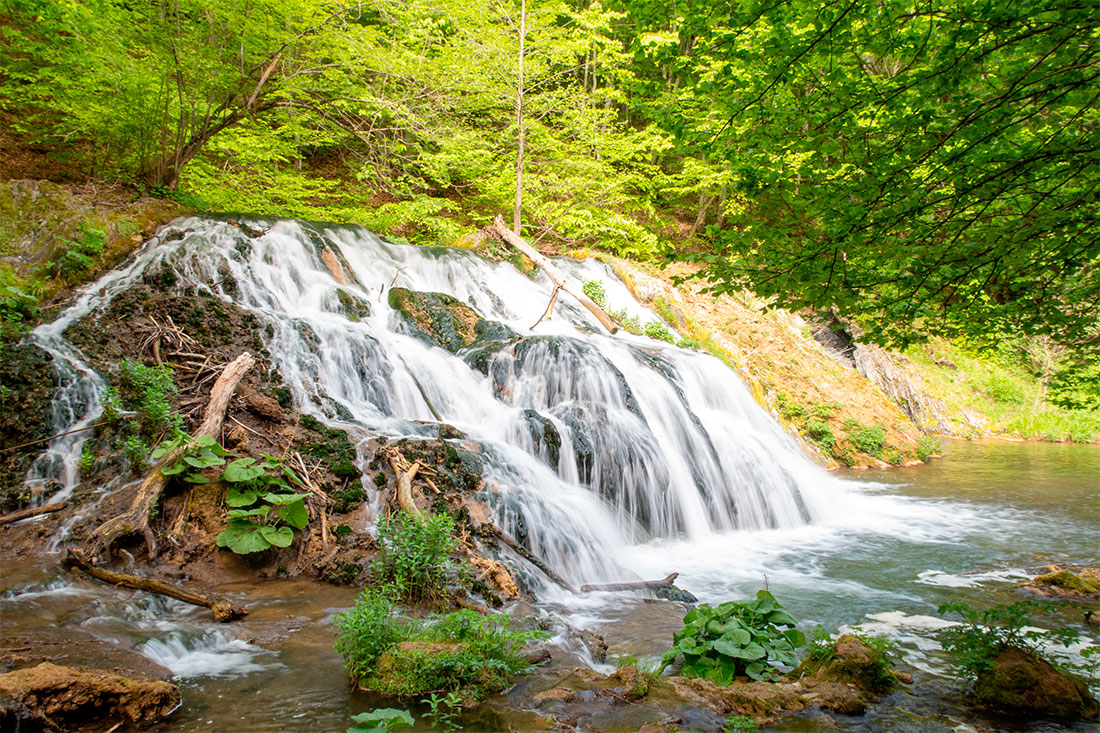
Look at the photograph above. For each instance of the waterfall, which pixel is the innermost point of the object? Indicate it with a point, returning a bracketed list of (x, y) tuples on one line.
[(650, 441)]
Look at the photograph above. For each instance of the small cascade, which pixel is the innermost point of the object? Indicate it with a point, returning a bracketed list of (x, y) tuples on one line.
[(591, 443)]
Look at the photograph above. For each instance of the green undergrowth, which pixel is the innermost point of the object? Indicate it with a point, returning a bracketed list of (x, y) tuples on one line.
[(416, 557), (462, 652), (1006, 387)]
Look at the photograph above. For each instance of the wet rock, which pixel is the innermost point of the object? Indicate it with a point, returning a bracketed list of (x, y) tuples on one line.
[(56, 697), (444, 321), (28, 386), (262, 405), (760, 700), (545, 436), (1020, 682), (672, 593)]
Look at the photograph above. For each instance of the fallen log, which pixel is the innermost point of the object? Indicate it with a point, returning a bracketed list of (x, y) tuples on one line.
[(665, 582), (135, 520), (526, 555), (32, 512), (552, 272), (224, 610)]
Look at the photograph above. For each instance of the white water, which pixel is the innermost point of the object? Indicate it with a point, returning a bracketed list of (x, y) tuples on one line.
[(666, 461)]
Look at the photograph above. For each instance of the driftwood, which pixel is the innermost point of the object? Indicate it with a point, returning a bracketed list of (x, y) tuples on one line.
[(526, 555), (552, 272), (135, 520), (665, 582), (32, 512), (405, 474), (224, 610)]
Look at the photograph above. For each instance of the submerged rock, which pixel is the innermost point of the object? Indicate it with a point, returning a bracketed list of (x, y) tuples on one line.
[(1020, 682), (54, 697)]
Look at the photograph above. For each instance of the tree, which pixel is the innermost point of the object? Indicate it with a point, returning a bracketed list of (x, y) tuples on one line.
[(921, 168)]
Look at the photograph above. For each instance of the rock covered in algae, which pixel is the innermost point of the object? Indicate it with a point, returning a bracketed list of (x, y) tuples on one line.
[(1060, 583), (444, 320), (1020, 682), (55, 697)]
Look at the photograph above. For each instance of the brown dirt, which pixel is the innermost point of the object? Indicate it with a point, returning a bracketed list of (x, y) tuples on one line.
[(72, 698)]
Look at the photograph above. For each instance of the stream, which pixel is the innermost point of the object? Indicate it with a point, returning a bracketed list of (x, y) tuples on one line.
[(666, 464)]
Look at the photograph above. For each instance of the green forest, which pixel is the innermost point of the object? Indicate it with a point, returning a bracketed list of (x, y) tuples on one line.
[(883, 217)]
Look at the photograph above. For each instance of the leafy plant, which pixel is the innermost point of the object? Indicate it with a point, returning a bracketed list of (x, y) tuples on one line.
[(265, 510), (659, 331), (977, 642), (368, 630), (381, 720), (80, 254), (87, 459), (415, 556), (821, 434), (595, 291), (927, 447), (149, 391), (137, 452), (736, 723), (870, 440), (735, 638), (444, 711)]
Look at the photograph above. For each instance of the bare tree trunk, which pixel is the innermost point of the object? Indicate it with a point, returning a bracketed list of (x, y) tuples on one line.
[(516, 212)]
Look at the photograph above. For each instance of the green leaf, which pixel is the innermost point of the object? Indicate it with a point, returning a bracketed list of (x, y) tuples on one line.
[(282, 499), (196, 478), (242, 538), (175, 469), (295, 514), (394, 717), (237, 498), (277, 536), (242, 470), (242, 513)]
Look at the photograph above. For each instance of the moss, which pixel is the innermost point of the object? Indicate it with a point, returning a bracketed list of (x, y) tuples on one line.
[(1070, 581), (343, 572), (348, 499), (443, 320), (354, 307)]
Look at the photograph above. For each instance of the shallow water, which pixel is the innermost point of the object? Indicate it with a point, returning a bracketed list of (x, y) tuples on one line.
[(964, 528)]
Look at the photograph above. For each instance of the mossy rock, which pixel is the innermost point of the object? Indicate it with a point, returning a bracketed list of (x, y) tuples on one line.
[(354, 307), (27, 380), (444, 321), (852, 662), (1061, 583), (1021, 683)]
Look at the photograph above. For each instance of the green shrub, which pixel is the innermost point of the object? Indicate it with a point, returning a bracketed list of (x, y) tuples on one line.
[(594, 290), (1002, 388), (1077, 386), (825, 410), (460, 651), (870, 440), (80, 254), (659, 331), (150, 391), (821, 434), (977, 642), (732, 639), (443, 711), (416, 556), (927, 447)]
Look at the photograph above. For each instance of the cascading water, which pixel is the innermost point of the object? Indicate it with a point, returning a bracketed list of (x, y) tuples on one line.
[(652, 441)]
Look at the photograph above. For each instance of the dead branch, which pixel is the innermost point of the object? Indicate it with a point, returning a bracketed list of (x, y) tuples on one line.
[(665, 582), (552, 272), (405, 474), (135, 520), (224, 610), (549, 307), (526, 555), (32, 512)]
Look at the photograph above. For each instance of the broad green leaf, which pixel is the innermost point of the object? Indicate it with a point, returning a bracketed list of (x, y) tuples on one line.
[(242, 537), (242, 470), (282, 499), (237, 498), (175, 469), (260, 511), (295, 514), (277, 536)]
